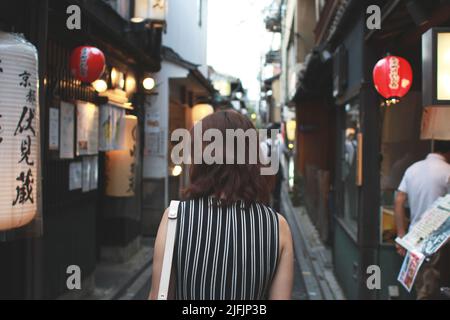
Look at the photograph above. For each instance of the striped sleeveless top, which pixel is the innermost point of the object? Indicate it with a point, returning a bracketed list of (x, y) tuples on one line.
[(225, 252)]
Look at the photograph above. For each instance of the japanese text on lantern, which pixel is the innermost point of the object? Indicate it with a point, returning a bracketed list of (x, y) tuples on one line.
[(25, 129), (131, 178), (393, 73)]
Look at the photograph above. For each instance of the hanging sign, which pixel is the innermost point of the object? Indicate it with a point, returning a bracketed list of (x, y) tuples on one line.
[(112, 128), (19, 132), (120, 167), (435, 124)]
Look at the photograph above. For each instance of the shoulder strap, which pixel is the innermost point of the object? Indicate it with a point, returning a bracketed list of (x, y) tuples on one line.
[(168, 251)]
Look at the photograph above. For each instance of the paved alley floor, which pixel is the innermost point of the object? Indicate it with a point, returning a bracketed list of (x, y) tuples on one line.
[(314, 259)]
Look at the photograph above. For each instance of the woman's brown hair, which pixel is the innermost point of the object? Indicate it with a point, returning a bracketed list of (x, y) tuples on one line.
[(228, 182)]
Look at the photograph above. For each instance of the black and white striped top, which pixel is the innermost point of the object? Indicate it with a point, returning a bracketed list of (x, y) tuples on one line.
[(225, 252)]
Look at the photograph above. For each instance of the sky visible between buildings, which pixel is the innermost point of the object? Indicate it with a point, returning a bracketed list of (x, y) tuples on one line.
[(238, 40)]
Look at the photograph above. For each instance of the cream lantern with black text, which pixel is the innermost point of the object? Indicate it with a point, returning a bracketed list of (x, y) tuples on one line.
[(19, 132)]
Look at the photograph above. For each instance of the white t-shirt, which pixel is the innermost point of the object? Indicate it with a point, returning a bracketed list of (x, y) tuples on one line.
[(265, 145), (424, 182)]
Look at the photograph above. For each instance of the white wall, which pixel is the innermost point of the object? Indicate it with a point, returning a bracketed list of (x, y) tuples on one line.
[(184, 34), (155, 166), (187, 38)]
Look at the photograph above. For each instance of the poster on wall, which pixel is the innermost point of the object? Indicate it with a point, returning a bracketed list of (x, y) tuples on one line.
[(87, 128), (86, 175), (93, 180), (120, 167), (112, 128), (154, 143), (53, 132), (75, 175), (67, 138), (154, 134)]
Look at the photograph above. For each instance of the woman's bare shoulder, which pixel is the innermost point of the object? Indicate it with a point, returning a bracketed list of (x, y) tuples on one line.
[(285, 231)]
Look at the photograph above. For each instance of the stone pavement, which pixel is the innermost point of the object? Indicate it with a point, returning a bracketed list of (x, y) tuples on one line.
[(313, 257), (124, 281)]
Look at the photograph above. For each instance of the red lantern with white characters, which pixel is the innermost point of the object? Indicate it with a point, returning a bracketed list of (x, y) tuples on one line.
[(393, 78), (87, 64)]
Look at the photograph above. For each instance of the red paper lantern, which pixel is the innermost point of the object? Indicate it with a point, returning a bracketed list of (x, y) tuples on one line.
[(87, 63), (393, 78)]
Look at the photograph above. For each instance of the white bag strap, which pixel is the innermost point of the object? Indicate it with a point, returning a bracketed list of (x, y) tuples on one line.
[(168, 251)]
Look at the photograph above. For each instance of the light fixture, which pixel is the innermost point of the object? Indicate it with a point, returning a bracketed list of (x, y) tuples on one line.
[(140, 11), (150, 10), (291, 127), (291, 146), (114, 76), (130, 84), (200, 111), (177, 170), (117, 78), (149, 83), (436, 67), (100, 85), (253, 116)]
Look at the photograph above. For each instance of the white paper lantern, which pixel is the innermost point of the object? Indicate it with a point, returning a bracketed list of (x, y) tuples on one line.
[(201, 111), (19, 132)]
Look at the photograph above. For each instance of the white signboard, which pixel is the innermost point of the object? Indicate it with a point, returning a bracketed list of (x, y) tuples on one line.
[(53, 136), (87, 128), (67, 138)]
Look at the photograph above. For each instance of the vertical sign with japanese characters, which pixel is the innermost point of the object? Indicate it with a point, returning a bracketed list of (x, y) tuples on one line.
[(19, 132)]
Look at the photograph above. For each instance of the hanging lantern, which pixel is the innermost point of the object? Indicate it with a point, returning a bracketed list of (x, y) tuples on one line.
[(393, 78), (87, 64), (291, 126), (19, 132), (120, 166), (201, 111)]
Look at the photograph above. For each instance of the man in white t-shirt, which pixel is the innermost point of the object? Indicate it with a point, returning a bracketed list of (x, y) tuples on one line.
[(423, 183), (274, 146)]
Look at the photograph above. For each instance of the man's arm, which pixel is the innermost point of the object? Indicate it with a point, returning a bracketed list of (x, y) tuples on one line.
[(400, 218)]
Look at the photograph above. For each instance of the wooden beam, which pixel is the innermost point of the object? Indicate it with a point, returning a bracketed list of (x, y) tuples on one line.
[(384, 15), (440, 15)]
